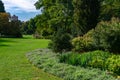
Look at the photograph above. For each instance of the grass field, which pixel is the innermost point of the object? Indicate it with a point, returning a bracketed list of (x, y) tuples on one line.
[(13, 62)]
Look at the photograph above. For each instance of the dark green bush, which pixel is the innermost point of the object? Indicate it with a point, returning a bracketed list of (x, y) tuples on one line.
[(61, 42), (107, 36)]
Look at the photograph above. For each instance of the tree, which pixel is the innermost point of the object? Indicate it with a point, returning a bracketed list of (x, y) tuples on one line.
[(2, 7), (58, 12), (86, 13)]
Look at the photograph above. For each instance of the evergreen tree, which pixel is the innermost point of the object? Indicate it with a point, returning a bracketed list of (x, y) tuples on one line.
[(86, 13), (2, 7)]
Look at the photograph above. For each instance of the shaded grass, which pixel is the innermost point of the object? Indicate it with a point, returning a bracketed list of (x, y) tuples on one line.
[(13, 63)]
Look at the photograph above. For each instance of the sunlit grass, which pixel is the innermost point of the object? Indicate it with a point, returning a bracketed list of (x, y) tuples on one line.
[(13, 62)]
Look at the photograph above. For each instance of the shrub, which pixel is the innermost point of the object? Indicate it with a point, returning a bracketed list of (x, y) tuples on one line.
[(83, 43), (113, 64), (61, 42), (98, 59)]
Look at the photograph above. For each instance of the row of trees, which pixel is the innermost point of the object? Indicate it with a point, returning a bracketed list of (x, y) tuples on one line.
[(77, 17)]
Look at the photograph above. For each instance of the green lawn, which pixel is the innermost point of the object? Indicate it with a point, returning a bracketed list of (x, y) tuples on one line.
[(13, 62)]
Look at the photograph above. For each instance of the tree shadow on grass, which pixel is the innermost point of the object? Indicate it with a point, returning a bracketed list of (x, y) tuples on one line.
[(3, 42), (4, 45)]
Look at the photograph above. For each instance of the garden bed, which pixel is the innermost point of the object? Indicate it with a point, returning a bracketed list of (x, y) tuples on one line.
[(48, 61)]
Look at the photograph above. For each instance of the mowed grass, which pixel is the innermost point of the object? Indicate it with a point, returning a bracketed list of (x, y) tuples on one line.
[(13, 62)]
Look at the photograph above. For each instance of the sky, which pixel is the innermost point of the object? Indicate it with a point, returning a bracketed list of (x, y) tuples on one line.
[(24, 9)]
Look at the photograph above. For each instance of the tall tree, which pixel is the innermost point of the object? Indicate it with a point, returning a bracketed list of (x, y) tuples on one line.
[(2, 9), (58, 12), (86, 13)]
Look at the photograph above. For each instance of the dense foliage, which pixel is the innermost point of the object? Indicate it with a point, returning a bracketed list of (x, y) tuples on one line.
[(95, 59), (49, 62)]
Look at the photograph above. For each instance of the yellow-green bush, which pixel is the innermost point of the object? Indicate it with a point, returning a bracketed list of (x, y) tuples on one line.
[(113, 64), (83, 43)]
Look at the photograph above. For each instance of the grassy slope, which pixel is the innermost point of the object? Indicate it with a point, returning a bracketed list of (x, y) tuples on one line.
[(13, 62)]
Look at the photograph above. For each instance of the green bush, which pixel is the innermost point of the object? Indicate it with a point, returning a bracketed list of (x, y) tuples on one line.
[(98, 59), (94, 59), (61, 42), (113, 64), (48, 61)]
